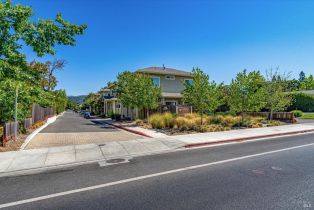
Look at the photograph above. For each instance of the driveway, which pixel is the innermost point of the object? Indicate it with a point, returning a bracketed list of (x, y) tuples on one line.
[(72, 129)]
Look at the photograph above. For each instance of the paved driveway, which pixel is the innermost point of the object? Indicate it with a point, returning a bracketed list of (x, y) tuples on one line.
[(72, 129)]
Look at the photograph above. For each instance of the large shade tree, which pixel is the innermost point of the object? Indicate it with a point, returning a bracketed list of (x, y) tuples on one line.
[(18, 29), (203, 95), (276, 98), (247, 92)]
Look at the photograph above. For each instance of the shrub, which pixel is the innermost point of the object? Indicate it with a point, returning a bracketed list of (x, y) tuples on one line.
[(231, 121), (168, 119), (216, 119), (273, 123), (191, 115), (157, 121), (255, 125), (180, 122), (185, 124), (297, 113), (139, 122), (115, 116), (216, 128), (302, 101)]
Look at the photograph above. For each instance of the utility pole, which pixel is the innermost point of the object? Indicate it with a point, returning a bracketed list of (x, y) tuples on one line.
[(15, 112)]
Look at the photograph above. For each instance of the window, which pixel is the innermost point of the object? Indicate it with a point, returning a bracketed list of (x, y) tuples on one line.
[(118, 106), (170, 77), (156, 81), (188, 81)]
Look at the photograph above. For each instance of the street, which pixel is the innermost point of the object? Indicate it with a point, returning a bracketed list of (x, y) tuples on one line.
[(72, 129), (275, 173)]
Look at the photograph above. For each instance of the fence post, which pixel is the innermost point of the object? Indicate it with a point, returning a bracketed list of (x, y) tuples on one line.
[(4, 139)]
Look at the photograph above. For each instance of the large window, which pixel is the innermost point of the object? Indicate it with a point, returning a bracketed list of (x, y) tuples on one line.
[(188, 81), (156, 81)]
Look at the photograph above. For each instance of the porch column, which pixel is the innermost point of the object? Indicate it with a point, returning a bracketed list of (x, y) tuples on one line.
[(105, 108), (114, 107)]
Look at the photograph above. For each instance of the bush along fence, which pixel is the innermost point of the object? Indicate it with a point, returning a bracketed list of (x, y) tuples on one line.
[(39, 116), (281, 116)]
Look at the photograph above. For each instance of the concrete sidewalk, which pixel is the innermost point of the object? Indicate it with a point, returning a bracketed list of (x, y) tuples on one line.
[(19, 161)]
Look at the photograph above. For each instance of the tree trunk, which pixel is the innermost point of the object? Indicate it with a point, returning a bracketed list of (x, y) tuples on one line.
[(271, 114), (201, 117), (147, 111), (15, 112)]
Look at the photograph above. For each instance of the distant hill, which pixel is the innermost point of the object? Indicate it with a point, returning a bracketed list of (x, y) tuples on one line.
[(77, 99)]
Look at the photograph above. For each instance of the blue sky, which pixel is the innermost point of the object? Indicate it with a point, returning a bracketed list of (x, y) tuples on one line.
[(220, 37)]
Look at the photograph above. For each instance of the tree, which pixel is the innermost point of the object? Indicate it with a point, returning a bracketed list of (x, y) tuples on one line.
[(276, 98), (301, 76), (126, 89), (18, 29), (307, 83), (147, 93), (52, 67), (247, 92), (203, 95), (292, 85), (137, 90)]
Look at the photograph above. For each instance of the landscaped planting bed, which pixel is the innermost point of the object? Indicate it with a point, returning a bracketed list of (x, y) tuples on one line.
[(194, 123)]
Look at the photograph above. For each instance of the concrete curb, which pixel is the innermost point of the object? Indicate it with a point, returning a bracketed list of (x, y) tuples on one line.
[(246, 138), (35, 132), (129, 130)]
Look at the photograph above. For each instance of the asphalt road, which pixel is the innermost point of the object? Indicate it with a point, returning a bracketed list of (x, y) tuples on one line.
[(71, 122), (276, 173), (72, 129)]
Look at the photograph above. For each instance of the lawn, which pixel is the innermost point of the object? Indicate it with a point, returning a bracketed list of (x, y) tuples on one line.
[(307, 116)]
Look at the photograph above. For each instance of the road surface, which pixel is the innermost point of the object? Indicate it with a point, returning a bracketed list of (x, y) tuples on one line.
[(275, 173), (70, 128)]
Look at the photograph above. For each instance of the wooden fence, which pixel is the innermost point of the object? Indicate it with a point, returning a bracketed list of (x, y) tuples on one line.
[(8, 131), (176, 109), (281, 116), (39, 114)]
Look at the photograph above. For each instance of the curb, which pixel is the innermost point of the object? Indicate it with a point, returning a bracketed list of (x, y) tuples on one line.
[(129, 130), (35, 132), (245, 138)]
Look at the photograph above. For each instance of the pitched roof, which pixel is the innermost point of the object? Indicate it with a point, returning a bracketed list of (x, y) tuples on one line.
[(165, 71)]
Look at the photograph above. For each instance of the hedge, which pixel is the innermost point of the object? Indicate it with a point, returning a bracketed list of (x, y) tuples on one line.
[(302, 101)]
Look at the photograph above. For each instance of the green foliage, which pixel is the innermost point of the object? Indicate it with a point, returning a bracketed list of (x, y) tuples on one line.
[(273, 123), (276, 98), (302, 101), (157, 121), (308, 116), (165, 120), (72, 105), (297, 113), (18, 28), (247, 92), (137, 90), (307, 83), (203, 95)]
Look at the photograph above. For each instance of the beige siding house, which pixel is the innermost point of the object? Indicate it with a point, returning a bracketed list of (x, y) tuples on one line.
[(171, 81)]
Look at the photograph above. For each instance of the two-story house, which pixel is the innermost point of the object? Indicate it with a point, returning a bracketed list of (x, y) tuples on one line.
[(171, 81)]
